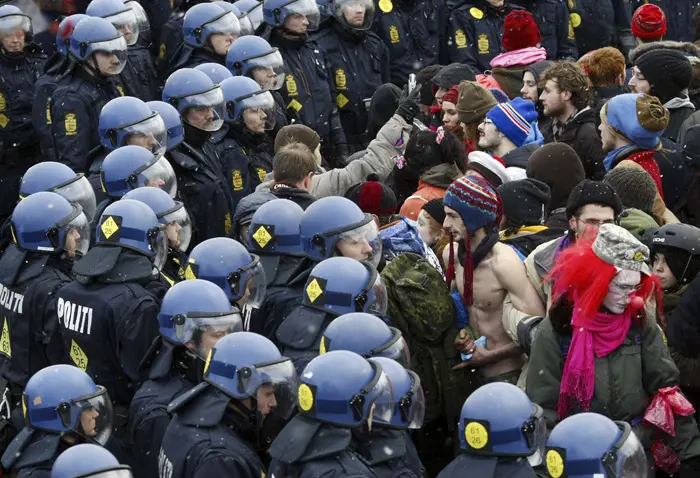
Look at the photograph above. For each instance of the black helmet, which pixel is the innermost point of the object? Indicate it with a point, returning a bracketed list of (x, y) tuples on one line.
[(680, 245)]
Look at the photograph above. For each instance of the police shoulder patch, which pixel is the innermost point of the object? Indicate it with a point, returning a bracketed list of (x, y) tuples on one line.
[(71, 124)]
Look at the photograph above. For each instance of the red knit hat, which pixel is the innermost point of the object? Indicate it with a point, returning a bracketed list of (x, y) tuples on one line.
[(520, 31), (452, 95), (649, 22)]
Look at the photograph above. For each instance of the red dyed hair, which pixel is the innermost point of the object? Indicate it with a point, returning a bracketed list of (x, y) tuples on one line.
[(583, 278)]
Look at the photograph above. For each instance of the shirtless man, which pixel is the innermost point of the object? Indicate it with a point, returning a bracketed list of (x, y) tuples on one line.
[(486, 273)]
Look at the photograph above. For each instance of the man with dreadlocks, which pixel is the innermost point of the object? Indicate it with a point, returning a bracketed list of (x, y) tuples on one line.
[(485, 273)]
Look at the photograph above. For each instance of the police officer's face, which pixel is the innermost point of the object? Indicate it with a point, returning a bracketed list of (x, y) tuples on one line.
[(354, 13), (449, 114), (638, 83), (663, 272), (107, 63), (88, 421), (489, 136), (200, 117), (265, 77), (529, 89), (126, 31), (454, 225), (267, 401), (254, 119), (220, 42), (296, 23), (355, 247), (72, 239), (173, 232), (13, 42), (145, 140)]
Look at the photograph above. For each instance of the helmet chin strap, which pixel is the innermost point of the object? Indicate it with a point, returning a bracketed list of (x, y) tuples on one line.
[(293, 35), (93, 69)]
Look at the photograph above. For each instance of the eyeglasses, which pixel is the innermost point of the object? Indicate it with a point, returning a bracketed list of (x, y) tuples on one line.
[(638, 75), (596, 222)]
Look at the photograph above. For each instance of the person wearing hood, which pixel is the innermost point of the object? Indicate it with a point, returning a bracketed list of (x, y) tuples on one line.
[(565, 98), (450, 75), (433, 161), (358, 62), (637, 192), (600, 23), (606, 74), (510, 132)]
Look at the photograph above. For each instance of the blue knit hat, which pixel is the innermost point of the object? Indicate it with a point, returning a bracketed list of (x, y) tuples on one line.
[(637, 117), (514, 119), (476, 202)]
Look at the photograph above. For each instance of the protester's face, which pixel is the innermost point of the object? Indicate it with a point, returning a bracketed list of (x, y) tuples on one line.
[(552, 99), (454, 225), (439, 94), (354, 13), (72, 239), (200, 117), (14, 43), (173, 232), (639, 84), (591, 218), (449, 114), (427, 233), (88, 421), (254, 119), (489, 136), (267, 401), (265, 77), (529, 89), (607, 137), (126, 31), (663, 272), (296, 23), (220, 42), (355, 247), (621, 289), (107, 63)]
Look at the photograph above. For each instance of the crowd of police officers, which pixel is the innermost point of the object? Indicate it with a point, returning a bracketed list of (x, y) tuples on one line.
[(127, 297)]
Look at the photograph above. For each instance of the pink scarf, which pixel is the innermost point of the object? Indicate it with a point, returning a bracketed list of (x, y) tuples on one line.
[(599, 336)]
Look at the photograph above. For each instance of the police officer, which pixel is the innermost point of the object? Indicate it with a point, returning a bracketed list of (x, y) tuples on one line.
[(308, 89), (245, 149), (21, 63), (216, 72), (108, 315), (243, 20), (208, 31), (340, 395), (173, 215), (100, 54), (145, 39), (171, 36), (62, 407), (203, 187), (415, 32), (598, 24), (54, 72), (252, 10), (335, 287), (359, 63), (87, 460), (194, 316), (139, 75), (216, 431), (173, 123), (498, 428)]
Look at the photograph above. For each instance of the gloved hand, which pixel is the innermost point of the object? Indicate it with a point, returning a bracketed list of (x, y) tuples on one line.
[(409, 104)]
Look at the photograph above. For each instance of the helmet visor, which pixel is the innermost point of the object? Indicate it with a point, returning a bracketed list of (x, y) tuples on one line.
[(226, 24), (268, 70), (158, 239), (205, 330), (246, 25), (255, 14), (140, 14), (125, 22), (249, 284), (178, 228), (80, 192), (378, 299), (204, 111), (122, 473), (631, 459), (92, 416), (356, 14), (11, 24), (115, 50), (274, 387), (150, 134), (383, 406), (362, 243), (309, 9), (396, 349), (260, 109), (412, 405), (159, 175), (536, 434), (77, 238)]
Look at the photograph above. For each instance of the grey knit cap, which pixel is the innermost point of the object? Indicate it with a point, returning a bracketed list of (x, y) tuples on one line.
[(620, 248)]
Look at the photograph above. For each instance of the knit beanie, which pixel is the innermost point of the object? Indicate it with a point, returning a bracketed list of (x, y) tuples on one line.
[(639, 118), (425, 79), (669, 72), (514, 119), (649, 22), (373, 197), (492, 169), (520, 31), (525, 201), (436, 209), (297, 133), (452, 95), (499, 95), (635, 188), (593, 192), (474, 102), (558, 166)]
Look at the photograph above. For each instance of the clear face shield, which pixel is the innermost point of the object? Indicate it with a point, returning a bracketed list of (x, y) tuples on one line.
[(203, 331), (258, 111), (159, 174), (125, 22), (307, 8), (16, 26), (79, 192), (362, 243), (411, 406), (268, 70), (380, 391), (356, 14), (76, 241), (150, 134), (158, 240), (204, 111), (90, 416), (249, 283), (255, 15), (227, 24), (374, 299), (178, 227), (627, 458), (140, 14), (247, 27), (110, 56), (121, 473), (535, 430), (274, 387), (396, 349)]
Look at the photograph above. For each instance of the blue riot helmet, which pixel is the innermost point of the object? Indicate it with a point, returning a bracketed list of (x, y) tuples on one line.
[(119, 15), (47, 223), (275, 12), (199, 101), (246, 27), (60, 179), (252, 10), (228, 264), (88, 461), (129, 121), (65, 30), (498, 419), (409, 401), (15, 23), (376, 340), (197, 313), (248, 104), (335, 225), (172, 120), (253, 57), (588, 445), (345, 389), (132, 225), (93, 35), (341, 285), (131, 167), (170, 212), (63, 399), (207, 19), (215, 71), (354, 14)]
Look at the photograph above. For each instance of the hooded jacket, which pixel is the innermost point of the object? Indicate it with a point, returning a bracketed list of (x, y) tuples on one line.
[(432, 185)]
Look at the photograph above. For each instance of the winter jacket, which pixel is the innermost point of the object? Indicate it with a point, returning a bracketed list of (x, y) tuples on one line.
[(553, 20), (680, 109), (537, 267), (678, 15), (581, 133), (601, 23), (519, 157), (379, 159), (432, 185), (637, 222)]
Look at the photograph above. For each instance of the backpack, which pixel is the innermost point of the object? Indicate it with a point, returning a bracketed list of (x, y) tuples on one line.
[(421, 307)]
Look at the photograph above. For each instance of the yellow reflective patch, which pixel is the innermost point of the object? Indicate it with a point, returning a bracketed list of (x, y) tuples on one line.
[(24, 406), (476, 435), (206, 364), (322, 348), (262, 237), (109, 227), (575, 19), (48, 114), (313, 290), (12, 230), (5, 346), (3, 120), (121, 90), (3, 103), (572, 34), (341, 81), (386, 6), (295, 105), (306, 397), (394, 34), (476, 13), (161, 52), (237, 181), (342, 100), (292, 89), (460, 39), (555, 464), (227, 223), (78, 356), (71, 124)]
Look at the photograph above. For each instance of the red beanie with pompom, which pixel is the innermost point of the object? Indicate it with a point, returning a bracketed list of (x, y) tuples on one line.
[(520, 31)]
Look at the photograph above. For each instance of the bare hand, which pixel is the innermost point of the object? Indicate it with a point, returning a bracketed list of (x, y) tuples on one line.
[(464, 341), (480, 356)]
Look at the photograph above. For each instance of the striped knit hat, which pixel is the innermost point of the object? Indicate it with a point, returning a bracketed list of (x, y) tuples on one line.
[(514, 119)]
